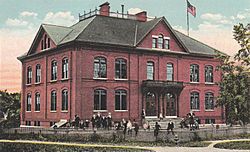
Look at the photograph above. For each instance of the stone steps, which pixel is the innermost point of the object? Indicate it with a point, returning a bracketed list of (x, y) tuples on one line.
[(164, 122)]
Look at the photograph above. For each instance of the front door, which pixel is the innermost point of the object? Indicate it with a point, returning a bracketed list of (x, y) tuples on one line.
[(150, 104), (170, 104)]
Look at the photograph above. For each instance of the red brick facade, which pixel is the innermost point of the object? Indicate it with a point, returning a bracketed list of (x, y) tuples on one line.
[(81, 82)]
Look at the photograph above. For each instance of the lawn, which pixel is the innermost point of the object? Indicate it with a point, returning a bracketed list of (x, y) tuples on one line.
[(241, 145)]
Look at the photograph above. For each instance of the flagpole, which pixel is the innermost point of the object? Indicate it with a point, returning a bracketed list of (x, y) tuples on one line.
[(187, 19)]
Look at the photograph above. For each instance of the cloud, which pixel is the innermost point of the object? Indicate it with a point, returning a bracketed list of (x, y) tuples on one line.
[(243, 15), (16, 22), (134, 10), (216, 18), (28, 14), (60, 18)]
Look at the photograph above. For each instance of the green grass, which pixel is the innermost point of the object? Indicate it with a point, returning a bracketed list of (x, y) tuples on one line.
[(29, 146), (241, 145)]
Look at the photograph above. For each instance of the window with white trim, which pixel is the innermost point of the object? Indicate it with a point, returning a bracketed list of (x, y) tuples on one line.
[(65, 68), (120, 100), (53, 70), (64, 100), (37, 102), (194, 101), (38, 73), (209, 101), (120, 69), (194, 73), (100, 99), (28, 103), (170, 72), (29, 75), (100, 67), (209, 73), (53, 101), (150, 70)]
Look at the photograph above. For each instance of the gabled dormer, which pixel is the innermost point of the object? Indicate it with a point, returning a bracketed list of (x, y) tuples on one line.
[(162, 37), (48, 37)]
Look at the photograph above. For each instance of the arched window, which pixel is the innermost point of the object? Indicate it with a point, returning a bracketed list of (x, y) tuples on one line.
[(194, 73), (209, 101), (120, 100), (28, 105), (150, 70), (42, 45), (120, 69), (64, 100), (53, 101), (209, 74), (170, 72), (194, 101), (48, 42), (100, 99), (160, 42), (45, 41), (38, 73), (53, 70), (167, 43), (29, 75), (37, 102), (65, 68), (100, 67)]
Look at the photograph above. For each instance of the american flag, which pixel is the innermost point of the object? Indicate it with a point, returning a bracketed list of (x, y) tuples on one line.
[(191, 9)]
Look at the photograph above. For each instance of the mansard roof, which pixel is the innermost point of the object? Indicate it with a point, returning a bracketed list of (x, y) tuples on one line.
[(117, 31)]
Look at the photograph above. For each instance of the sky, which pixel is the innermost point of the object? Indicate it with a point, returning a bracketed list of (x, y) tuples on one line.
[(21, 19)]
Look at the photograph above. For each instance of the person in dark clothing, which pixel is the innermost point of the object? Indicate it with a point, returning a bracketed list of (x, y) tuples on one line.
[(170, 127), (136, 127), (86, 124), (98, 120), (104, 122), (156, 130), (124, 127), (93, 121), (143, 114), (109, 121), (77, 121)]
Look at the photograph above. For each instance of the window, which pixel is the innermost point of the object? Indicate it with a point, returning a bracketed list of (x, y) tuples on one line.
[(100, 98), (194, 101), (38, 73), (209, 74), (167, 45), (64, 100), (28, 123), (209, 101), (100, 67), (154, 43), (53, 70), (150, 70), (48, 42), (120, 69), (29, 75), (170, 72), (209, 121), (194, 73), (160, 42), (53, 101), (28, 106), (37, 102), (36, 123), (42, 45), (45, 41), (120, 100), (65, 68)]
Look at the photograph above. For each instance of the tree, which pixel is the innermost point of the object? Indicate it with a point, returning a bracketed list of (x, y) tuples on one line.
[(234, 86), (10, 105)]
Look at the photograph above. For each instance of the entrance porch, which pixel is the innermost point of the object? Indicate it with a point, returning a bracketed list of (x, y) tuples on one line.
[(161, 98)]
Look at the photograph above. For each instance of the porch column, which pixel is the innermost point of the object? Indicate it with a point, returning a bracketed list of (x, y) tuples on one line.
[(159, 105), (163, 106), (177, 104)]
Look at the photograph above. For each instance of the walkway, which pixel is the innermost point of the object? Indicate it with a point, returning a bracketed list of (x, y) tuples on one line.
[(210, 148)]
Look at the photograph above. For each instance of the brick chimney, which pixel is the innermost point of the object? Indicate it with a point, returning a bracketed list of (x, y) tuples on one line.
[(142, 16), (104, 9)]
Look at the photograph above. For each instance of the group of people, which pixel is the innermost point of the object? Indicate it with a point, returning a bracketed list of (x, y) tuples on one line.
[(190, 121), (99, 121), (127, 126)]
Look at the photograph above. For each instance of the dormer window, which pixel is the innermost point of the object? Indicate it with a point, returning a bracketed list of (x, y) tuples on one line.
[(45, 42), (160, 42)]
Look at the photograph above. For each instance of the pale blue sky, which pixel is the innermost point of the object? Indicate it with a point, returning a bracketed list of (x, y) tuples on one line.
[(20, 21)]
